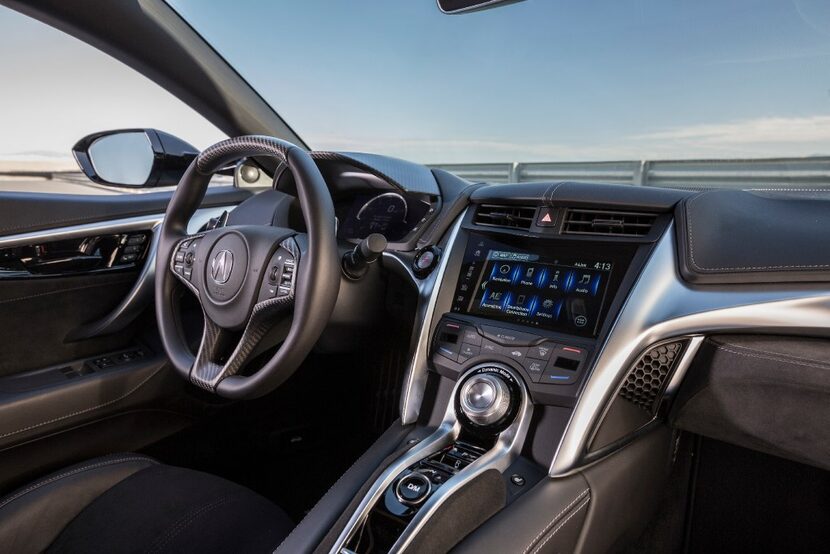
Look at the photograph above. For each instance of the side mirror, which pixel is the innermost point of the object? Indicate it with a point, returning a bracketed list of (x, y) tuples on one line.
[(134, 157), (451, 7)]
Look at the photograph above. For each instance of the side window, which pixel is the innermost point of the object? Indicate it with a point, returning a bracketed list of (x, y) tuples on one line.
[(55, 90)]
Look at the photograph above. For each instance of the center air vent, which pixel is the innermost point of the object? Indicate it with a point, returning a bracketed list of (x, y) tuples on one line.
[(519, 217), (607, 222)]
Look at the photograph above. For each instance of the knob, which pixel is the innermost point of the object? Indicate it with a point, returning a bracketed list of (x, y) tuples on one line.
[(484, 399), (356, 263)]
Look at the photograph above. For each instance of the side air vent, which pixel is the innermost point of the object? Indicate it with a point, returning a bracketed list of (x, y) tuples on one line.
[(646, 381), (518, 217), (607, 222)]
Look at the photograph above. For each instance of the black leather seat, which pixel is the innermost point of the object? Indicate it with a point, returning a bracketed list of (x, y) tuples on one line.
[(131, 503)]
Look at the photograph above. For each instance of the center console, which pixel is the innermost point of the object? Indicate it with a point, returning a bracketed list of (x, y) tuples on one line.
[(482, 430), (518, 314)]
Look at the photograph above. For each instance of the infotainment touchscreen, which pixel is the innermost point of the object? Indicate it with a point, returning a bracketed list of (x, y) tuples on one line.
[(560, 288)]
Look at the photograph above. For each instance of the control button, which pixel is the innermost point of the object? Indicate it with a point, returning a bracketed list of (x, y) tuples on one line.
[(508, 337), (447, 351), (283, 291), (179, 257), (134, 249), (554, 376), (448, 339), (541, 352), (424, 260), (126, 258), (517, 353), (189, 257), (467, 351), (546, 217), (272, 275), (490, 347), (413, 489), (470, 336), (517, 480), (178, 268), (187, 273), (136, 239), (534, 368)]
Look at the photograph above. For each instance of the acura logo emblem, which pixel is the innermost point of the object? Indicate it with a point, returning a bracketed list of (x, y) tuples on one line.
[(221, 266)]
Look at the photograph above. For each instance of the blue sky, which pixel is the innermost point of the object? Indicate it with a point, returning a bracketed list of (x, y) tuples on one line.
[(540, 80)]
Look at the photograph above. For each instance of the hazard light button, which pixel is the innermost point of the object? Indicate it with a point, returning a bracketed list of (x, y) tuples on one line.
[(546, 217)]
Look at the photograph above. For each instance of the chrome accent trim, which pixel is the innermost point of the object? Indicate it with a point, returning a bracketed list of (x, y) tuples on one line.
[(685, 361), (662, 305), (503, 453), (428, 291), (111, 227), (689, 352)]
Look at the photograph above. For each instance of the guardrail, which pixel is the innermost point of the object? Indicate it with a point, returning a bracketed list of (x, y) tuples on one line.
[(789, 173)]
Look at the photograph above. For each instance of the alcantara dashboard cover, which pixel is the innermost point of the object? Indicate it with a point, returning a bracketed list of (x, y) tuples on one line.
[(732, 236)]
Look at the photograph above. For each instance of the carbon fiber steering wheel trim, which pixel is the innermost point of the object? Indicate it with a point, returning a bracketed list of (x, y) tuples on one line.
[(215, 157)]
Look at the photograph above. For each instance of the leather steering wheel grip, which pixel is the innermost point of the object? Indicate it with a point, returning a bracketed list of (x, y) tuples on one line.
[(318, 281)]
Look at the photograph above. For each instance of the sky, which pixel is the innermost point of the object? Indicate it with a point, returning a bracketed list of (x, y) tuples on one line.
[(539, 80)]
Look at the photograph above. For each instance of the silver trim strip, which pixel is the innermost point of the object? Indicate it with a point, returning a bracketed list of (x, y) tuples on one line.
[(660, 306), (428, 291), (499, 457)]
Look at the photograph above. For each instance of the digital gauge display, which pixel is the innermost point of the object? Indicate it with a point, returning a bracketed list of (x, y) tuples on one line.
[(389, 213)]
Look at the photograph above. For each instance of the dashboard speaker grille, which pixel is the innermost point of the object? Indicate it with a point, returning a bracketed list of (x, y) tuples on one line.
[(517, 217), (647, 379)]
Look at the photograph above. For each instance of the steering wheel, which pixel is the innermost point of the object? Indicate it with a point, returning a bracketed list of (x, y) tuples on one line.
[(247, 278)]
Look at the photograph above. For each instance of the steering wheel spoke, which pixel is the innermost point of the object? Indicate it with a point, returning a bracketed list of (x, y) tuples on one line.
[(276, 299)]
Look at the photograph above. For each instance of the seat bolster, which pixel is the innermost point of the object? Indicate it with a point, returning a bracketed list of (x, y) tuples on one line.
[(34, 515)]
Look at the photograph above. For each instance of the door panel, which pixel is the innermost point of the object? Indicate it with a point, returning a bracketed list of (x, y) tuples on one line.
[(38, 314), (80, 355)]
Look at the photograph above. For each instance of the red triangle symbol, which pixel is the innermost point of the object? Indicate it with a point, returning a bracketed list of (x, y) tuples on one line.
[(546, 218)]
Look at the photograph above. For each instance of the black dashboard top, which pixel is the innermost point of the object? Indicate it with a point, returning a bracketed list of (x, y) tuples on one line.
[(579, 194)]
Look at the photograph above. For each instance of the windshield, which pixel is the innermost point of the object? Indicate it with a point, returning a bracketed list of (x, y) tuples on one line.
[(539, 80)]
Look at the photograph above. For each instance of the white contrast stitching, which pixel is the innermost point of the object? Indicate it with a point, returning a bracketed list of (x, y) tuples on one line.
[(788, 358), (701, 268), (75, 471), (775, 359), (85, 410), (188, 519), (561, 525), (551, 192), (553, 521)]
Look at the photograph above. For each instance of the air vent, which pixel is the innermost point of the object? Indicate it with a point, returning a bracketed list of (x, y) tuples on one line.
[(645, 381), (607, 223), (519, 217)]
